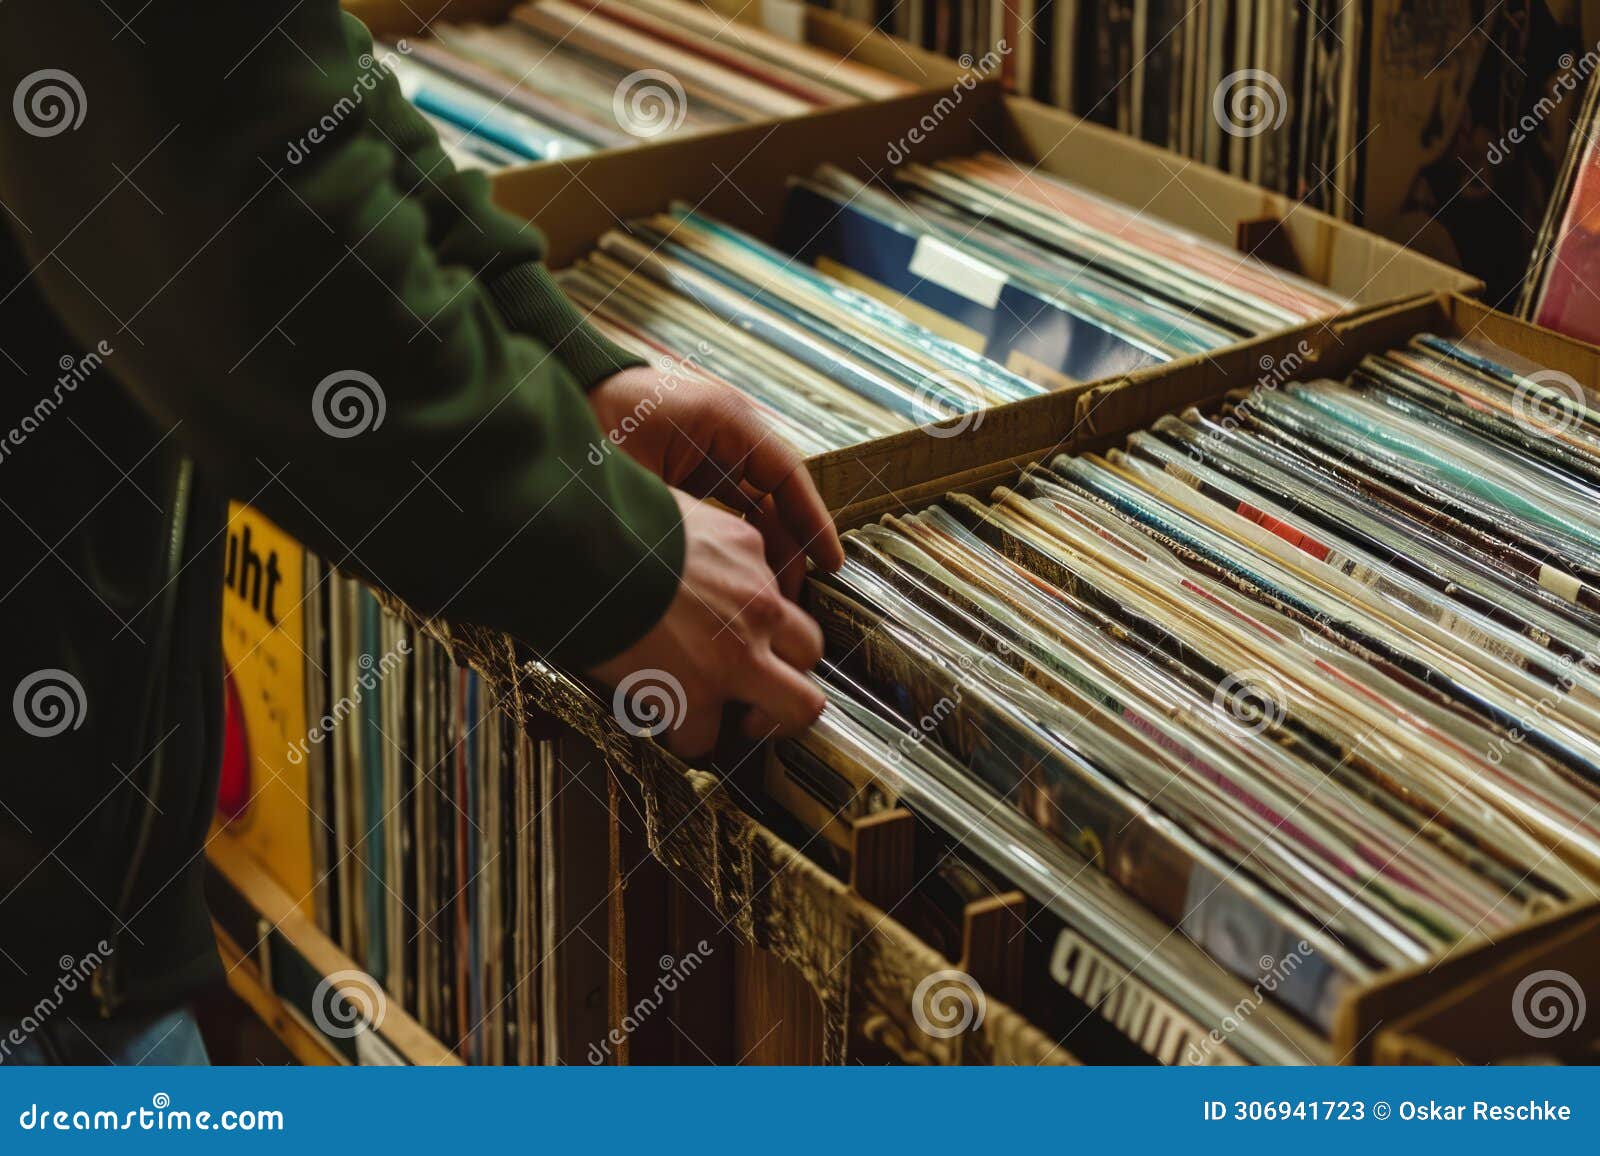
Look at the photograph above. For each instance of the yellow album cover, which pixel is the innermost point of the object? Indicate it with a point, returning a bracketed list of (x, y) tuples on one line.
[(263, 801)]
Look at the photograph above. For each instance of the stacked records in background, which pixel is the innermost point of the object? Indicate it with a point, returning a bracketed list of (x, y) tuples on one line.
[(565, 77), (437, 828), (960, 285), (1560, 292), (1257, 708), (1442, 126)]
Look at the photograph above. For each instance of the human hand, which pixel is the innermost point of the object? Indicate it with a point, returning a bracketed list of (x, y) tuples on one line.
[(708, 440), (729, 635)]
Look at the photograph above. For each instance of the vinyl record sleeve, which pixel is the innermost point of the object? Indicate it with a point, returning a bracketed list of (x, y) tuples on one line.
[(981, 299)]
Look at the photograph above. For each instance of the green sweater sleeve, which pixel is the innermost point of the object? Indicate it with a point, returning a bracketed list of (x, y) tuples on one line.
[(323, 341), (466, 228)]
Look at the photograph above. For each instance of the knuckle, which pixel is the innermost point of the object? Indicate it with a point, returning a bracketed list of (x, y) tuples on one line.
[(765, 607)]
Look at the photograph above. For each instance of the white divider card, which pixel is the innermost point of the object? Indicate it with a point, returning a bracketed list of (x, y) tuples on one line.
[(961, 273)]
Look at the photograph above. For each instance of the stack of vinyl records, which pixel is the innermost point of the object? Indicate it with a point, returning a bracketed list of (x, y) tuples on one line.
[(1260, 707), (963, 284), (565, 77), (1441, 126), (435, 825)]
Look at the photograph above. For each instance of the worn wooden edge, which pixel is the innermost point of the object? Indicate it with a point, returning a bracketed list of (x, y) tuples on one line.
[(274, 905), (246, 981)]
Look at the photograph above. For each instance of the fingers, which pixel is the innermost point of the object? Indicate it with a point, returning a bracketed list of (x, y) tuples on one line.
[(746, 450), (784, 701), (730, 634), (697, 734), (798, 641), (710, 480), (784, 555), (773, 467), (806, 515)]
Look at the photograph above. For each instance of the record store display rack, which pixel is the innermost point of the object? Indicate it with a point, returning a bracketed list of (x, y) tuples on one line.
[(1207, 681), (1442, 126)]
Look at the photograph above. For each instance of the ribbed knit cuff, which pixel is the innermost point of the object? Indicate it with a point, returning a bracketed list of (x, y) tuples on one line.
[(533, 304)]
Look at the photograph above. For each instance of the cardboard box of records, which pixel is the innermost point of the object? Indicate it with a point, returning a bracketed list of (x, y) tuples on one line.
[(987, 292), (1477, 940), (1514, 992), (514, 82), (1307, 995)]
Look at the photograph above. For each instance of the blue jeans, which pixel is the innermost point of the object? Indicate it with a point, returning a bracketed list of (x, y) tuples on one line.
[(171, 1037)]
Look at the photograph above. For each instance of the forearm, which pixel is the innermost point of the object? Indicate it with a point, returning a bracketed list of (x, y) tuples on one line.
[(467, 229), (243, 294)]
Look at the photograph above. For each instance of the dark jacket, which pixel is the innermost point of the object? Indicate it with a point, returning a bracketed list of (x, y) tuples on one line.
[(227, 243)]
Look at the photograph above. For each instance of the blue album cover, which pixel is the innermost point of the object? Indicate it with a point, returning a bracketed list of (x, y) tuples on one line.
[(1010, 319)]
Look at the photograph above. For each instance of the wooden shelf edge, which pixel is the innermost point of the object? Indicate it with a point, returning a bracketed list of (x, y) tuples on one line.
[(273, 906)]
